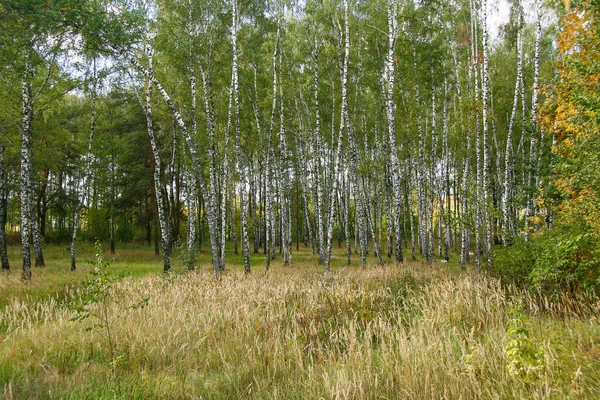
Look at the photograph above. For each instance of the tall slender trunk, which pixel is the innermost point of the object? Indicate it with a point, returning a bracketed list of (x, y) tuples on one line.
[(209, 198), (191, 203), (353, 161), (270, 229), (159, 187), (486, 156), (346, 194), (253, 211), (508, 161), (432, 177), (388, 212), (3, 213), (410, 209), (26, 169), (463, 225), (260, 227), (28, 215), (284, 181), (343, 121), (224, 176), (391, 120), (445, 181), (420, 177), (534, 157), (478, 205), (317, 153), (238, 151)]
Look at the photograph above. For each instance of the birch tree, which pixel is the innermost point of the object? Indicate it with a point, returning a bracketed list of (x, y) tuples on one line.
[(391, 120), (238, 151)]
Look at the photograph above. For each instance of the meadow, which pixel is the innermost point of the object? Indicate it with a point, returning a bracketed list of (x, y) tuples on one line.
[(400, 331)]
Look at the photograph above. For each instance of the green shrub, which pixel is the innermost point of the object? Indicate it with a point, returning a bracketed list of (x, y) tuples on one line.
[(567, 259), (514, 264), (559, 259)]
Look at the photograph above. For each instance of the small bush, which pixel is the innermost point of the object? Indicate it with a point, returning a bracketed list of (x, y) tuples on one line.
[(567, 259), (515, 263), (559, 259)]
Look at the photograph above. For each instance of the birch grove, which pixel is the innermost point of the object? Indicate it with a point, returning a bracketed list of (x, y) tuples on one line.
[(393, 125)]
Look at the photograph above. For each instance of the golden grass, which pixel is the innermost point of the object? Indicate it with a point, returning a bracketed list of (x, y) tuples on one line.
[(394, 332)]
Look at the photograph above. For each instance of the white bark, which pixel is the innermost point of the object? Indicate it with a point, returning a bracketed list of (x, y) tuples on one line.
[(391, 121), (224, 176), (317, 153), (268, 190), (238, 150), (533, 148), (486, 156), (508, 162), (343, 120), (159, 188), (26, 169), (284, 180), (3, 205), (209, 199)]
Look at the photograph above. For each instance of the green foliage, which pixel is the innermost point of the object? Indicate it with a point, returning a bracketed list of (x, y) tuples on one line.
[(514, 263), (568, 259), (568, 255), (558, 259), (524, 359)]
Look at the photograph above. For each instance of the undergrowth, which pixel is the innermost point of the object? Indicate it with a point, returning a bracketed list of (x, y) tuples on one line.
[(393, 332)]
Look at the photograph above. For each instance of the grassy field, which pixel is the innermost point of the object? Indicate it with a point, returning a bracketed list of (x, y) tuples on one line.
[(412, 331)]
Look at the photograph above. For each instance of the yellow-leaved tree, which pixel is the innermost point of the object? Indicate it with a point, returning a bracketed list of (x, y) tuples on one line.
[(571, 116)]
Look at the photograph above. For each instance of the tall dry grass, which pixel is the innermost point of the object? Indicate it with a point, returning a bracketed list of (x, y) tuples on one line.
[(400, 332)]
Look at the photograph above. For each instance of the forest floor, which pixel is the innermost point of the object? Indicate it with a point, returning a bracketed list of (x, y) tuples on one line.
[(399, 331)]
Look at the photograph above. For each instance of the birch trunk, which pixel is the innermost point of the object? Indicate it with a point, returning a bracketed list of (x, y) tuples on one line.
[(464, 231), (317, 147), (508, 161), (284, 180), (224, 176), (252, 200), (336, 160), (486, 156), (478, 205), (163, 219), (26, 169), (391, 120), (192, 190), (3, 213), (209, 198), (432, 177), (388, 187), (238, 149), (27, 181), (260, 230), (533, 156), (270, 228), (445, 181)]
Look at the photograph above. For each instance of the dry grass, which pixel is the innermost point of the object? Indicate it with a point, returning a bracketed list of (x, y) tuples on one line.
[(394, 332)]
